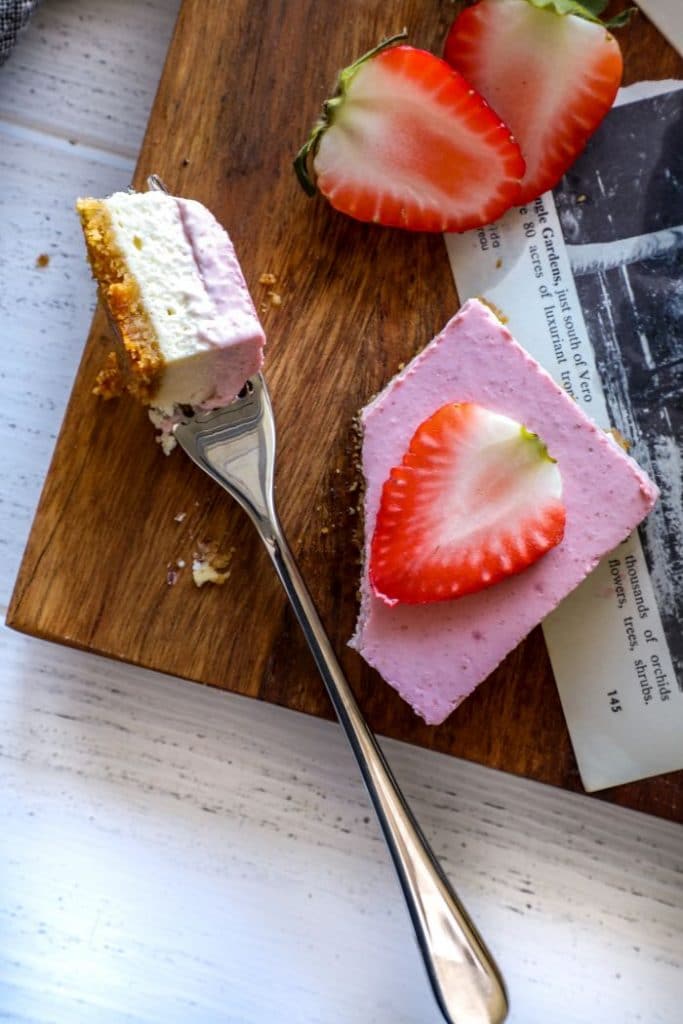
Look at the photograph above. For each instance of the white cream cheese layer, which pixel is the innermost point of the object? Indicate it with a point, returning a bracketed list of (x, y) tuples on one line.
[(151, 238), (210, 339)]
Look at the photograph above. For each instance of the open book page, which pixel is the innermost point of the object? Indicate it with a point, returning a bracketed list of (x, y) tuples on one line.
[(590, 280)]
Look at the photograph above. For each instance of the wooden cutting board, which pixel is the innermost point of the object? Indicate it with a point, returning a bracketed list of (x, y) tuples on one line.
[(242, 85)]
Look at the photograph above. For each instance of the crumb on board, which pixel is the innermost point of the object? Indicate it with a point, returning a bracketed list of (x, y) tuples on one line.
[(179, 518), (173, 570), (582, 198), (499, 263), (209, 565), (42, 261), (109, 381), (204, 572), (267, 278)]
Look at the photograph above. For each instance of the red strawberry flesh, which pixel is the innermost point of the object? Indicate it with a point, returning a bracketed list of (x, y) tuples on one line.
[(550, 77)]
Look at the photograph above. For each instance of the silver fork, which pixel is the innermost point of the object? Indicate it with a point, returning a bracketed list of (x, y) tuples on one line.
[(236, 447)]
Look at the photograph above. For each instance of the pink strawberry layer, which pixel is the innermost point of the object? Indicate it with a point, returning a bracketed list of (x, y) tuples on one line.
[(237, 335), (435, 655)]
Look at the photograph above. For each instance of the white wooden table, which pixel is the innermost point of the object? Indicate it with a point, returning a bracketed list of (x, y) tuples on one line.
[(174, 854)]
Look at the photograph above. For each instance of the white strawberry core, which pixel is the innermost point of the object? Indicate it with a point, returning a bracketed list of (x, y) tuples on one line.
[(499, 477)]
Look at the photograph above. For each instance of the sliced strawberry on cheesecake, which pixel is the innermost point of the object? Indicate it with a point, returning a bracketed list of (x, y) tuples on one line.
[(407, 142), (549, 68), (477, 498)]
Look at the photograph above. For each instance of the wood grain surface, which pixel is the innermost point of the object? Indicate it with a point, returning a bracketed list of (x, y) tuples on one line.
[(241, 87)]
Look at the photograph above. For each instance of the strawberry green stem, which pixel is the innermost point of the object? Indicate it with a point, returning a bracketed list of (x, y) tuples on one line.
[(537, 443), (588, 9), (329, 106)]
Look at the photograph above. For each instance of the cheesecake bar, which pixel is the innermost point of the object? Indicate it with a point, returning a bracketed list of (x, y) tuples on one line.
[(434, 654)]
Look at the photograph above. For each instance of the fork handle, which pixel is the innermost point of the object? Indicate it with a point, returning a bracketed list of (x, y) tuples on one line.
[(466, 982)]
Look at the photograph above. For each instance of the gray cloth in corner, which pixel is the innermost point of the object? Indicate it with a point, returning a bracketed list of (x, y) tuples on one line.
[(13, 16)]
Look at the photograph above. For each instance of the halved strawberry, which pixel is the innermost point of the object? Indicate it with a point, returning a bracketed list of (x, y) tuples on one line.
[(549, 68), (406, 142), (477, 498)]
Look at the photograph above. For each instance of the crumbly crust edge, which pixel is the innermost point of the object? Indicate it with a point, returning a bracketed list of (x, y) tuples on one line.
[(120, 293)]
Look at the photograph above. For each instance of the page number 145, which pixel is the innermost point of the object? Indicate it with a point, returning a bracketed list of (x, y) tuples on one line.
[(614, 702)]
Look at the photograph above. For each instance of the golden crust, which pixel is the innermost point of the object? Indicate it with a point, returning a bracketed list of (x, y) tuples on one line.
[(497, 312), (109, 382), (121, 296)]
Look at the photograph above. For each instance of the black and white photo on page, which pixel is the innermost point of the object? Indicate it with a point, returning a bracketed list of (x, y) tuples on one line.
[(621, 212)]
